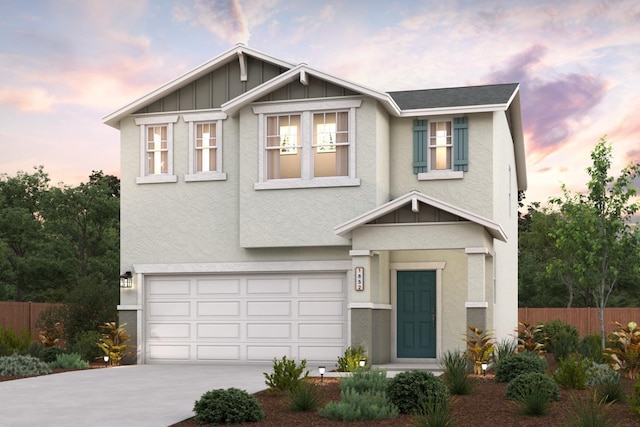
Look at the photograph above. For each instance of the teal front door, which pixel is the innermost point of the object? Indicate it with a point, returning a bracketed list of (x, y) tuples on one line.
[(416, 314)]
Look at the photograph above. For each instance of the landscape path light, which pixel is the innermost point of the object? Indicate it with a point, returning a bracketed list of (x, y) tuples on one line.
[(106, 360), (322, 370), (484, 368)]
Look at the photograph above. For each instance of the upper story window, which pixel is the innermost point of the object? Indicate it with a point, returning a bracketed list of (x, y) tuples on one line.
[(307, 144), (156, 149), (205, 146), (440, 148)]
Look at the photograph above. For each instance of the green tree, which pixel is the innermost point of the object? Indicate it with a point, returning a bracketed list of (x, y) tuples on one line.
[(595, 227)]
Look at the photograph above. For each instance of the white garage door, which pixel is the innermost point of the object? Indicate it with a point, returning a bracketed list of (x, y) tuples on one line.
[(250, 318)]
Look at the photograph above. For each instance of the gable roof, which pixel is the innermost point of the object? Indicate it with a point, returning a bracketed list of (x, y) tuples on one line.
[(232, 54), (470, 98), (494, 229)]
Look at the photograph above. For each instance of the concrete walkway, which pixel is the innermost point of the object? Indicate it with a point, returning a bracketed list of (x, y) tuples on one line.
[(136, 396)]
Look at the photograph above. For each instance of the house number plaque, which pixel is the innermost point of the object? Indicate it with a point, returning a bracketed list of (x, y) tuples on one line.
[(359, 278)]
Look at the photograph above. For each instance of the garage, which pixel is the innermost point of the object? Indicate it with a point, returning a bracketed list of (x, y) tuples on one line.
[(244, 318)]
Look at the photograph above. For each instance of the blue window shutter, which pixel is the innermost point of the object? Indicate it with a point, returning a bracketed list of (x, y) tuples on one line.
[(420, 146), (460, 144)]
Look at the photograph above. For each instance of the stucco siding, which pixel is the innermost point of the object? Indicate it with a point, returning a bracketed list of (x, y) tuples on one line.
[(472, 192)]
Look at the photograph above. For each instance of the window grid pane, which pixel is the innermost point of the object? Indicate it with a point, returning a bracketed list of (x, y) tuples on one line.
[(157, 150), (440, 145), (331, 140), (284, 149), (206, 147)]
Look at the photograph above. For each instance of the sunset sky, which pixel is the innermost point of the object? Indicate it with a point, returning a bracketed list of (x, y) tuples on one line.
[(64, 64)]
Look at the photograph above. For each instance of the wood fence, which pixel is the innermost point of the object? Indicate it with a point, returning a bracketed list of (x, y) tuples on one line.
[(22, 315), (584, 319)]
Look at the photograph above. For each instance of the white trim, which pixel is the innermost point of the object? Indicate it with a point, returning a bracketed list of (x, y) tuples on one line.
[(394, 267), (144, 176), (244, 267), (192, 119), (476, 304), (440, 174), (360, 252), (478, 250), (128, 307), (346, 228), (114, 118), (466, 109), (283, 184), (306, 105), (370, 305)]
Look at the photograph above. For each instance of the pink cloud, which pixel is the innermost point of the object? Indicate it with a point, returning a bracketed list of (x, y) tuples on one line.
[(552, 109), (223, 18), (29, 99)]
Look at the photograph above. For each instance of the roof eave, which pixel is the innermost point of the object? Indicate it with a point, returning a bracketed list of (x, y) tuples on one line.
[(114, 118), (443, 111)]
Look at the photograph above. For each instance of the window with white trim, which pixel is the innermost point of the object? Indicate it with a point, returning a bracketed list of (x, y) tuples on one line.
[(440, 148), (156, 149), (307, 144), (440, 144), (205, 146)]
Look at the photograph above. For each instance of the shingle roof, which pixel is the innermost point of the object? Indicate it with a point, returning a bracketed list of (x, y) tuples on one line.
[(454, 97)]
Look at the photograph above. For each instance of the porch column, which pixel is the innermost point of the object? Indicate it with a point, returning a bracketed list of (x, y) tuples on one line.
[(476, 304), (370, 321)]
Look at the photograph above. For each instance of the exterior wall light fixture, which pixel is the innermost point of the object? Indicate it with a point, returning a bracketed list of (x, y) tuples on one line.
[(126, 280)]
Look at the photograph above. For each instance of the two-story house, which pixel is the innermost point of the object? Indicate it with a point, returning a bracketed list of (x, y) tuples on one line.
[(272, 209)]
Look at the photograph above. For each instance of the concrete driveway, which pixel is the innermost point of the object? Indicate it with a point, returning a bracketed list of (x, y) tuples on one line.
[(138, 395)]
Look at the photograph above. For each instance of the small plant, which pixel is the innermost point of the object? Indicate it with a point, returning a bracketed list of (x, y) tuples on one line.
[(303, 397), (410, 391), (350, 361), (355, 406), (456, 370), (286, 374), (230, 406), (51, 334), (84, 343), (113, 342), (504, 348), (589, 413), (572, 372), (532, 382), (69, 361), (435, 413), (365, 381), (531, 338), (562, 339), (534, 402), (610, 390), (479, 348), (11, 343), (591, 348), (50, 354), (22, 366), (599, 373), (624, 348), (521, 363)]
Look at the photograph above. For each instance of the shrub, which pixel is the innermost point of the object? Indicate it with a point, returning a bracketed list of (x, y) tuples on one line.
[(84, 343), (11, 343), (599, 373), (516, 364), (113, 342), (69, 361), (286, 374), (531, 338), (435, 413), (534, 402), (363, 381), (562, 338), (230, 406), (51, 334), (303, 397), (410, 391), (589, 413), (351, 360), (532, 382), (22, 366), (355, 406), (591, 348), (50, 354), (623, 350), (456, 369), (572, 372), (479, 348), (610, 390), (504, 348)]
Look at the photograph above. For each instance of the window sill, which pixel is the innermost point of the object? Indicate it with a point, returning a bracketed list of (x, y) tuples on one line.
[(438, 175), (206, 176), (283, 184), (156, 179)]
